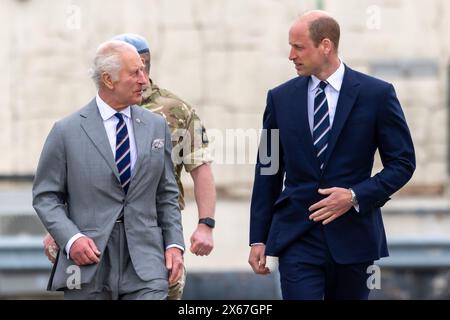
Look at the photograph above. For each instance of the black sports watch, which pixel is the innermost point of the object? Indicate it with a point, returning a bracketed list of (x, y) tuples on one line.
[(210, 222)]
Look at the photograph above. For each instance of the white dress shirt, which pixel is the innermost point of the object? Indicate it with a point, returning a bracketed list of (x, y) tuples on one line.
[(332, 91), (110, 122)]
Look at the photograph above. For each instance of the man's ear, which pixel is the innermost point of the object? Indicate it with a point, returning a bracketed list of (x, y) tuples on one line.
[(107, 80), (327, 46)]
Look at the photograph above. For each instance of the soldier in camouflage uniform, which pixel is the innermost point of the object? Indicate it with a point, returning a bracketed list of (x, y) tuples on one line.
[(186, 129), (190, 150)]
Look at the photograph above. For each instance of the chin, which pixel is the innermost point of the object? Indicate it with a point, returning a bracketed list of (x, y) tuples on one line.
[(303, 73), (137, 100)]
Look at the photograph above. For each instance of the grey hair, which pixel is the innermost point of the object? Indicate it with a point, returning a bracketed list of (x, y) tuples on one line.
[(108, 59)]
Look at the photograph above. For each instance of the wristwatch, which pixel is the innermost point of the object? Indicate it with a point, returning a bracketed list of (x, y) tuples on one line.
[(354, 200), (210, 222)]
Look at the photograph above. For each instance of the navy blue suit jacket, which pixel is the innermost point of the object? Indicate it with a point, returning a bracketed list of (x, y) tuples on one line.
[(368, 117)]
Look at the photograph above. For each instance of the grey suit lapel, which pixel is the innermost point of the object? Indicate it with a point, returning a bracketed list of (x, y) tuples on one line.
[(92, 124), (142, 138)]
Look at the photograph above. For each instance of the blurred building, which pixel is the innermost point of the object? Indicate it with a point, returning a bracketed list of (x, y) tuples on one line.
[(222, 56)]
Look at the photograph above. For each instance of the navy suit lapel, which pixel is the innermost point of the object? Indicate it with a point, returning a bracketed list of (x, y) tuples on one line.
[(347, 98), (300, 120)]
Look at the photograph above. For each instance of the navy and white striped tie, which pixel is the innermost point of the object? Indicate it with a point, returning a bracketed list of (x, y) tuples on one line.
[(123, 159), (321, 130)]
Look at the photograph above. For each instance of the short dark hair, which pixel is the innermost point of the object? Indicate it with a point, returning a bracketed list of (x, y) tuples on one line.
[(324, 27)]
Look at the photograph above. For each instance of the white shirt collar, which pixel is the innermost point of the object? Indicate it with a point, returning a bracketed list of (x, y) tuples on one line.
[(335, 80), (106, 112)]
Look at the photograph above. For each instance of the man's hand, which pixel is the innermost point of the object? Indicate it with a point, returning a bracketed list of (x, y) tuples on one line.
[(50, 248), (202, 240), (338, 202), (174, 263), (84, 251), (257, 259)]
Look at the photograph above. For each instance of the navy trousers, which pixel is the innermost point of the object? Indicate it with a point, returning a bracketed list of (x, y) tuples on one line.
[(308, 272)]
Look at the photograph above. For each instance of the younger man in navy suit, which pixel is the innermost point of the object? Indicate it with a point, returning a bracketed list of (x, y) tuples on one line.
[(320, 212)]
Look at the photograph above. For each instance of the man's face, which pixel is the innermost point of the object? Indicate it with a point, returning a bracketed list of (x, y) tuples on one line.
[(307, 58), (132, 79), (146, 58)]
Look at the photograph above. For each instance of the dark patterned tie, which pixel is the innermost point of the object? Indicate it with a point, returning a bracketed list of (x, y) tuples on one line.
[(321, 129), (123, 160)]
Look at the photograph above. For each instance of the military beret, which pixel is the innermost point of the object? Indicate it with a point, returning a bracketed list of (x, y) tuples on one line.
[(135, 40)]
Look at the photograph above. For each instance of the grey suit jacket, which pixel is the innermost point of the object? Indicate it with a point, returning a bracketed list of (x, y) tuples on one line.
[(77, 189)]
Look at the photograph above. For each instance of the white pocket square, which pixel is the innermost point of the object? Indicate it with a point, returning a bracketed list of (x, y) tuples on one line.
[(158, 144)]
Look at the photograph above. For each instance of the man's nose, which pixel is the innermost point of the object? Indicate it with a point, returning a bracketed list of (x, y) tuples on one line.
[(142, 78), (292, 54)]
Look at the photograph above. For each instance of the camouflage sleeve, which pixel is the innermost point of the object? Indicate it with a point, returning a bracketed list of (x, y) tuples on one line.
[(198, 150)]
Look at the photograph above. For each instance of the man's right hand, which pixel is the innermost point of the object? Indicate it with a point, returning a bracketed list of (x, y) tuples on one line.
[(50, 248), (84, 251), (257, 259), (174, 263)]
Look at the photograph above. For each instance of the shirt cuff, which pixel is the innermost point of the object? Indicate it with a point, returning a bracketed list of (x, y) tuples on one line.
[(70, 242), (256, 243), (175, 246), (354, 200)]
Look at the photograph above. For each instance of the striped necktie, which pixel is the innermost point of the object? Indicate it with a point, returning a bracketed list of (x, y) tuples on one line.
[(123, 160), (321, 130)]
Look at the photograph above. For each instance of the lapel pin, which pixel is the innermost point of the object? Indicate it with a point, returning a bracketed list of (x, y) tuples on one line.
[(138, 120)]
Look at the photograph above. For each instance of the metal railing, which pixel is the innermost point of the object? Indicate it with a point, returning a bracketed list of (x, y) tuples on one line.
[(24, 269)]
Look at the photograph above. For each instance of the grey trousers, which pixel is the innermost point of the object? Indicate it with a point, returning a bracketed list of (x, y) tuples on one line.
[(116, 279)]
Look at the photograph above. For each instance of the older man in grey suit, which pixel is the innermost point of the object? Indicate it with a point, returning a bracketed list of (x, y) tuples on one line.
[(105, 190)]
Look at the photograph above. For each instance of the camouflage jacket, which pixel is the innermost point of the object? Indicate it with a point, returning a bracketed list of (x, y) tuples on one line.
[(189, 138)]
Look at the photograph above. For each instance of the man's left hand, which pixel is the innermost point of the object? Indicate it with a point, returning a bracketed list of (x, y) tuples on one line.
[(174, 263), (202, 240), (338, 202)]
